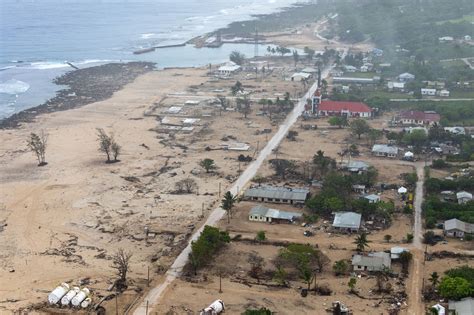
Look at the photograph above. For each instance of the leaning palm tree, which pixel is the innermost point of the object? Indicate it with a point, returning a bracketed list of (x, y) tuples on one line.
[(228, 203), (361, 242)]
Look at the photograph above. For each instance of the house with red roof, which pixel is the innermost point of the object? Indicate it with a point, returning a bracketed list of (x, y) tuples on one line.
[(415, 117), (348, 109)]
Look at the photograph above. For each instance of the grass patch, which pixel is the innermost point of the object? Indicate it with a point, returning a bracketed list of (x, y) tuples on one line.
[(464, 18), (367, 75), (462, 94)]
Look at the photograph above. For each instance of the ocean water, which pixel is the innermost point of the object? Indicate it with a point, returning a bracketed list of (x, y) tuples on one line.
[(38, 37)]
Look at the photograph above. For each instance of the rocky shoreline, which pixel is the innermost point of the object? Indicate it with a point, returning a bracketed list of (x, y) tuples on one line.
[(84, 86)]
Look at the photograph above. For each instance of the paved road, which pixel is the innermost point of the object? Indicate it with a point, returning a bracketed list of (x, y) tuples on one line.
[(155, 294)]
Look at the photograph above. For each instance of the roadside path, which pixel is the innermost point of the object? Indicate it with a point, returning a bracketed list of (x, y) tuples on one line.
[(153, 297)]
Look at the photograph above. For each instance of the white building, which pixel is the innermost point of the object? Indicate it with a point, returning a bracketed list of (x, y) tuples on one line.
[(444, 93), (301, 76), (463, 197), (228, 69), (406, 77), (467, 38), (372, 198), (445, 39), (264, 214), (396, 86), (377, 261), (457, 228), (384, 150), (428, 92)]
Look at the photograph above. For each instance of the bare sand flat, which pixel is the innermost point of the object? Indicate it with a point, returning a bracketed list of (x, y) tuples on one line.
[(63, 221)]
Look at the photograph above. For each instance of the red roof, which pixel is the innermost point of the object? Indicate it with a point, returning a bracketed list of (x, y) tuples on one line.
[(336, 106), (418, 115)]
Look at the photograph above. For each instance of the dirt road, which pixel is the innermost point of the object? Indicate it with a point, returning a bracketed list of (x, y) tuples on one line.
[(416, 275), (154, 295)]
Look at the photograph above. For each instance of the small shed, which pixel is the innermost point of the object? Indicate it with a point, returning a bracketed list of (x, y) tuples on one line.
[(372, 198), (301, 76), (408, 156), (359, 189), (396, 251), (402, 190), (440, 309), (463, 197)]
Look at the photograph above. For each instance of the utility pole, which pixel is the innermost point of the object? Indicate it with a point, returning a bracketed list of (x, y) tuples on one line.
[(220, 281)]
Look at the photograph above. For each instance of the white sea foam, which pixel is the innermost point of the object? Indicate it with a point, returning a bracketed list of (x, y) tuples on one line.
[(45, 65), (14, 87), (148, 35)]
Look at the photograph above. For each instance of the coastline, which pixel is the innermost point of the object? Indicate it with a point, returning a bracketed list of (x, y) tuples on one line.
[(83, 86), (77, 93)]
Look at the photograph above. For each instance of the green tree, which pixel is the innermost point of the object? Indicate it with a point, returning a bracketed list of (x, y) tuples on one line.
[(409, 238), (429, 238), (305, 259), (37, 144), (236, 88), (387, 238), (208, 243), (361, 242), (207, 164), (340, 267), (237, 57), (352, 283), (228, 203), (261, 236), (454, 288), (417, 137), (296, 57), (373, 135), (339, 121), (405, 259), (323, 163), (309, 53), (243, 105), (359, 127), (260, 311)]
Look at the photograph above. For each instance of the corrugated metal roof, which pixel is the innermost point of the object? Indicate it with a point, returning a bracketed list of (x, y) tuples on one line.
[(297, 194), (455, 224), (463, 307), (384, 149), (347, 220), (274, 213), (377, 260)]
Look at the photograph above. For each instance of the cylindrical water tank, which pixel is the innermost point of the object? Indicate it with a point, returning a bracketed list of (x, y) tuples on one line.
[(56, 295), (81, 296), (86, 303), (68, 297), (217, 306)]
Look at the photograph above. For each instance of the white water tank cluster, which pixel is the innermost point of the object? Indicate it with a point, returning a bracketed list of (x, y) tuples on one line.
[(65, 296)]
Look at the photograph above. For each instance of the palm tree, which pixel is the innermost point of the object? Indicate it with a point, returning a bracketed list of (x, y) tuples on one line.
[(434, 279), (228, 203), (361, 242)]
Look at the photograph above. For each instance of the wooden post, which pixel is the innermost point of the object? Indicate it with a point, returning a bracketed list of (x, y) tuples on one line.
[(202, 209), (220, 281), (219, 189), (116, 302), (146, 311), (148, 277)]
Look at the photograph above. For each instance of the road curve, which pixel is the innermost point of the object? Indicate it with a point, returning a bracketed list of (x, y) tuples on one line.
[(153, 297)]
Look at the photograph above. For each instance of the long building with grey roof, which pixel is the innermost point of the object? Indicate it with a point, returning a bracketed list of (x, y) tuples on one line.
[(263, 214), (277, 194)]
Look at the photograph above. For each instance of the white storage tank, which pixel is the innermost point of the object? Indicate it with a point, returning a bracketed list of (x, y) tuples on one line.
[(56, 295), (81, 296), (86, 303), (69, 296)]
